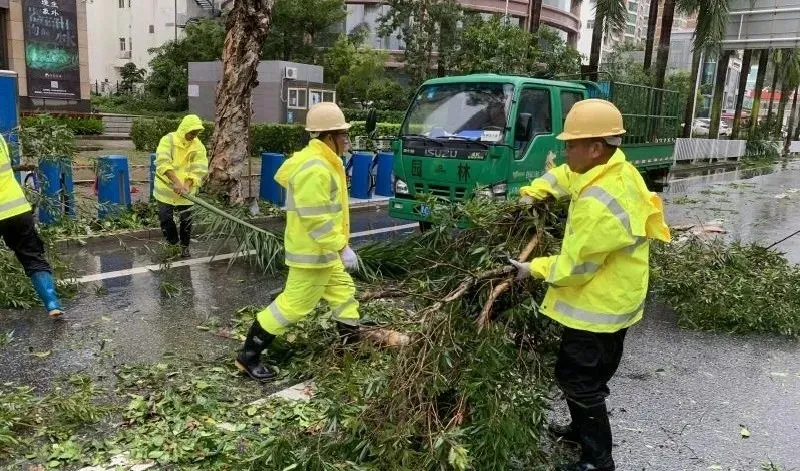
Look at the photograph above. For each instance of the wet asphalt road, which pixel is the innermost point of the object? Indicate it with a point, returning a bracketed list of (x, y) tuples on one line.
[(678, 401)]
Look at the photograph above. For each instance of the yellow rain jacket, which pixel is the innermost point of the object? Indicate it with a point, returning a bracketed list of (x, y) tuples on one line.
[(188, 160), (598, 282), (317, 207), (12, 198)]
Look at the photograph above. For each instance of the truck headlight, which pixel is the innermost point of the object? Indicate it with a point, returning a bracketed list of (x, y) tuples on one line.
[(400, 187)]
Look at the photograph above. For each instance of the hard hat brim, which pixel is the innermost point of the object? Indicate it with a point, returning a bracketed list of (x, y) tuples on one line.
[(343, 127), (568, 136)]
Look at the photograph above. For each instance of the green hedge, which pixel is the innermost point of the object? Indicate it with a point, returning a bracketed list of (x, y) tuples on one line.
[(384, 116), (282, 138), (80, 125)]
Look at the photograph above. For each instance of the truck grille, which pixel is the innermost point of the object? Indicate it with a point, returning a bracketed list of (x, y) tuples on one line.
[(442, 191)]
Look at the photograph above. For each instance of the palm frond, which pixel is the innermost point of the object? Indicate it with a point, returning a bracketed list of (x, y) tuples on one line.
[(712, 19), (613, 13)]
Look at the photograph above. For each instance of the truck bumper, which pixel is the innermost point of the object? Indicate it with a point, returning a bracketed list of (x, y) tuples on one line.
[(410, 210)]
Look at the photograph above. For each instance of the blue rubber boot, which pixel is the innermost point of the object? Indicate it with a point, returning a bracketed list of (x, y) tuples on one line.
[(46, 289)]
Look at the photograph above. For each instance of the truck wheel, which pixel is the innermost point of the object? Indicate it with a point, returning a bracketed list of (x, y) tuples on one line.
[(425, 226)]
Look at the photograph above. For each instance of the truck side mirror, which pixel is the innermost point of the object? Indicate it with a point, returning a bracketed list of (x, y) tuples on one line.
[(372, 121), (523, 130)]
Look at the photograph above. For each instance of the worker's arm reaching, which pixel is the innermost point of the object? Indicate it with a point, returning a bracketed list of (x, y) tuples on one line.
[(310, 196), (165, 167), (198, 168), (554, 183), (583, 250)]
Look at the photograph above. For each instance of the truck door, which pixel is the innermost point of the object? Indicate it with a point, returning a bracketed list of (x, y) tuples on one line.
[(568, 98), (534, 138)]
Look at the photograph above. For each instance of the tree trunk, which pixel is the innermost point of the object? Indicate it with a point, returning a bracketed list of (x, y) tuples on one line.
[(597, 45), (785, 91), (792, 120), (663, 44), (247, 26), (535, 16), (652, 23), (719, 92), (748, 55), (763, 62), (688, 112), (775, 75)]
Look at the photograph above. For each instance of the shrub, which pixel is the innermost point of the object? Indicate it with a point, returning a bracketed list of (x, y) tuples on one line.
[(384, 116), (80, 125)]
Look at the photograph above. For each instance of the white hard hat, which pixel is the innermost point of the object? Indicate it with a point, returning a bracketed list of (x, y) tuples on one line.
[(326, 116)]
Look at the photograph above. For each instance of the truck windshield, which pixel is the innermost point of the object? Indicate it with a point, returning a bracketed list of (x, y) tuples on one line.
[(475, 111)]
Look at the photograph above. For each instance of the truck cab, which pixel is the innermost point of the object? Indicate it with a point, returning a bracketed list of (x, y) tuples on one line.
[(491, 134)]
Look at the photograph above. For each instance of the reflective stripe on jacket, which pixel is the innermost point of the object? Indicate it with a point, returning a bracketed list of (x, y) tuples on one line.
[(598, 282), (188, 160), (317, 207), (12, 198)]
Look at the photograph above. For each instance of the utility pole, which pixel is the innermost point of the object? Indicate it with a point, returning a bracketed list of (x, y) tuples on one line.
[(175, 23)]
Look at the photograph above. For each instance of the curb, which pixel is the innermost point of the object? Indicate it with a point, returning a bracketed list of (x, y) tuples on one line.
[(154, 233)]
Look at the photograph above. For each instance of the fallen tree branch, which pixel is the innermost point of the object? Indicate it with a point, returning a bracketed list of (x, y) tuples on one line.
[(485, 316)]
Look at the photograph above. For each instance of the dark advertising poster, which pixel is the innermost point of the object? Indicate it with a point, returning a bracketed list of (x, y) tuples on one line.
[(51, 48)]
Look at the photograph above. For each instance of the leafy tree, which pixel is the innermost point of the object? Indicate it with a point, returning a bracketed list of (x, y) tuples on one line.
[(492, 46), (298, 26), (169, 75), (131, 75), (425, 27), (387, 94)]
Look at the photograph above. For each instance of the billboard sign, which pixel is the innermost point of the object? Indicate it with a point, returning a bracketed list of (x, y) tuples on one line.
[(52, 57), (765, 24)]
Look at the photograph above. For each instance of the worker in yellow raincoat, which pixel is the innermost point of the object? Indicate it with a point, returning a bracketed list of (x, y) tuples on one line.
[(316, 240), (598, 282), (181, 160), (18, 230)]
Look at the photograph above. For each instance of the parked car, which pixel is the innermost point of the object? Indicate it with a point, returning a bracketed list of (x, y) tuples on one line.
[(701, 127)]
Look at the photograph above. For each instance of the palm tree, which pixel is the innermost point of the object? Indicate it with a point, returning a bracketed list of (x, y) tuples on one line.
[(777, 59), (712, 19), (663, 44), (790, 81), (535, 17), (652, 22), (748, 56), (790, 127), (719, 91), (763, 62), (609, 17)]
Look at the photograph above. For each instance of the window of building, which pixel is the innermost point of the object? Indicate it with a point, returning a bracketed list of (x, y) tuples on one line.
[(534, 108), (297, 99), (122, 44), (122, 3), (152, 29), (630, 29), (317, 96), (590, 24)]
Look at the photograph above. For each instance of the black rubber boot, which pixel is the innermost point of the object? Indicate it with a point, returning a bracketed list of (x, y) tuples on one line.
[(595, 435), (348, 334), (248, 362), (568, 434)]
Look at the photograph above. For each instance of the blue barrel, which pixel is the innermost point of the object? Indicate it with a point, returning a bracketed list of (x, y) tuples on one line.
[(360, 179), (113, 185), (152, 175), (384, 184), (57, 190), (269, 189)]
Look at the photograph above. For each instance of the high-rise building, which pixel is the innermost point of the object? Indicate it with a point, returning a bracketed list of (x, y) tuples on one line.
[(122, 31)]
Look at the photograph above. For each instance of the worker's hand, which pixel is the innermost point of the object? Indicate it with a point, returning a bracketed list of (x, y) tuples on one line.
[(349, 259), (523, 269), (180, 188)]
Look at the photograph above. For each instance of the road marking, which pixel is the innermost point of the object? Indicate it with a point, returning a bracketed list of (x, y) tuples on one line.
[(199, 261)]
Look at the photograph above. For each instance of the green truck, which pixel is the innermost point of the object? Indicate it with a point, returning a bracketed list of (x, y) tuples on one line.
[(491, 134)]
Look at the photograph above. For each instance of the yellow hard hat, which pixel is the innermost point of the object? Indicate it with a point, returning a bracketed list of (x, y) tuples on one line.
[(326, 116), (592, 118)]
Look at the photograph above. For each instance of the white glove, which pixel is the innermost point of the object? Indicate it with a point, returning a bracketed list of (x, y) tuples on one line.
[(526, 200), (523, 269), (349, 258)]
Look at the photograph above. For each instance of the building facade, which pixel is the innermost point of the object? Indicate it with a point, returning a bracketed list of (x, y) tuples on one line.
[(45, 43), (122, 31)]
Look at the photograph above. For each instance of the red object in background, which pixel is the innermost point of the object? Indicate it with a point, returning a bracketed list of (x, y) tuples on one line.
[(765, 94)]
